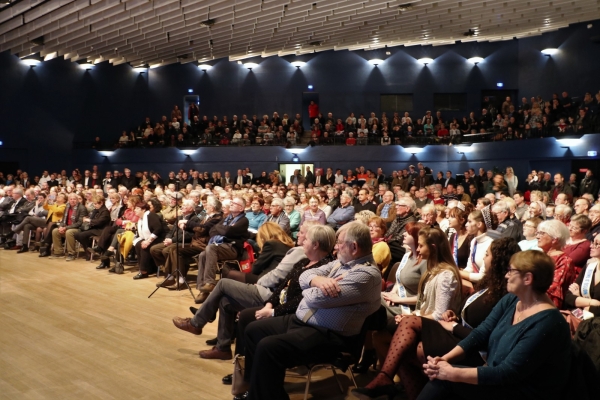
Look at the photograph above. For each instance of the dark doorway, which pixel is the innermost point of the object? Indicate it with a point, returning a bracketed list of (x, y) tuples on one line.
[(580, 167), (187, 100), (307, 97), (497, 97), (9, 168)]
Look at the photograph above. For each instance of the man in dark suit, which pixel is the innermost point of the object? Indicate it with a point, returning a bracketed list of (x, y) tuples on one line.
[(319, 180), (589, 184), (241, 178), (380, 176), (449, 180), (13, 212), (422, 180), (128, 181), (309, 177)]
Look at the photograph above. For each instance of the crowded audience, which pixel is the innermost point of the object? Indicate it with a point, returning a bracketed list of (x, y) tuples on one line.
[(334, 248)]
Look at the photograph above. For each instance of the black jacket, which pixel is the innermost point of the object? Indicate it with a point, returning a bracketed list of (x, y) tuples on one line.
[(235, 234), (270, 256), (100, 218)]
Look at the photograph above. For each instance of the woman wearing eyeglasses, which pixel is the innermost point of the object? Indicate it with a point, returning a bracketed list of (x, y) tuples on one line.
[(585, 292), (552, 236), (527, 342), (529, 230)]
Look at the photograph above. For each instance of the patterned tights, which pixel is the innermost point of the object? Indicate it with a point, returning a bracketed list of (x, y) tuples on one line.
[(402, 359)]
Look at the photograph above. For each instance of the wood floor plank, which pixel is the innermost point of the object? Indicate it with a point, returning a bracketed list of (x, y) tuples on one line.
[(69, 331)]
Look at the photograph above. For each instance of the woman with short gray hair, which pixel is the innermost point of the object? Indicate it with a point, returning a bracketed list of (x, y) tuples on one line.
[(552, 236)]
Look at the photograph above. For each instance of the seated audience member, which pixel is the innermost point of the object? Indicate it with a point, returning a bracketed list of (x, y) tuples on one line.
[(350, 141), (56, 211), (277, 215), (519, 366), (585, 291), (160, 251), (35, 219), (381, 250), (582, 206), (293, 215), (256, 216), (478, 223), (387, 209), (94, 223), (342, 214), (226, 243), (337, 298), (150, 230), (552, 236), (429, 216), (460, 240), (230, 297), (578, 247), (507, 226), (12, 210), (199, 228), (313, 213), (67, 227), (529, 232), (273, 244), (594, 216), (436, 338)]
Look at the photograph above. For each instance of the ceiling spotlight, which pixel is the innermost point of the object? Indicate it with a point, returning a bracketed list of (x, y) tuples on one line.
[(298, 64), (425, 60), (375, 61), (475, 60), (205, 67), (250, 65), (549, 51)]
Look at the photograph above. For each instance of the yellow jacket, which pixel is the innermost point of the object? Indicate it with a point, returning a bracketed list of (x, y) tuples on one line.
[(55, 212)]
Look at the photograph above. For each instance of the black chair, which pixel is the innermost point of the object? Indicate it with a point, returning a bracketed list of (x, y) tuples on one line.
[(351, 354)]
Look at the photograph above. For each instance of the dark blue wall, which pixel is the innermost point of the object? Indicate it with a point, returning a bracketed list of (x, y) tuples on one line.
[(45, 109), (545, 154)]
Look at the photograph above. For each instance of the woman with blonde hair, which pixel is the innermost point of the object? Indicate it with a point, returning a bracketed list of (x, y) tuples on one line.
[(273, 243), (511, 180)]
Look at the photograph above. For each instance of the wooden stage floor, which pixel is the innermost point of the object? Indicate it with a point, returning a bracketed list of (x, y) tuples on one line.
[(69, 331)]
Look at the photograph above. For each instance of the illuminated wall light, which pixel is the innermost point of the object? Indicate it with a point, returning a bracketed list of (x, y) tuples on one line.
[(188, 152), (549, 51), (425, 60), (250, 66), (475, 60), (375, 61), (205, 67), (499, 84), (31, 62), (310, 87), (86, 66), (298, 64), (140, 70)]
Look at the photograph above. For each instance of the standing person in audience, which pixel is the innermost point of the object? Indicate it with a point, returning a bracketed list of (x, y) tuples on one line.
[(589, 184), (335, 304), (552, 237), (585, 291), (560, 187), (511, 180), (578, 247), (526, 338), (478, 223)]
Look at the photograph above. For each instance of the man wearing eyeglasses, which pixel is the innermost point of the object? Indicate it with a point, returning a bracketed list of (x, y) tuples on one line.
[(337, 298), (226, 243)]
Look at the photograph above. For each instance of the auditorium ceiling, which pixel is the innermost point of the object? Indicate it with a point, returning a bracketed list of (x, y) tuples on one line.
[(160, 32)]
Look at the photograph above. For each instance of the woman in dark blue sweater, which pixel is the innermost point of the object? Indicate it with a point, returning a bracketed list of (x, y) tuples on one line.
[(526, 338)]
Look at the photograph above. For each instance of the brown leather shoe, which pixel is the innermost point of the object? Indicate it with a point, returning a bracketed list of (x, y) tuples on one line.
[(201, 298), (185, 324), (168, 282), (207, 287), (216, 354)]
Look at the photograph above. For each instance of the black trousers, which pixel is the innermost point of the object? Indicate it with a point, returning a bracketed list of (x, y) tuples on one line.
[(246, 317), (85, 236), (275, 344)]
